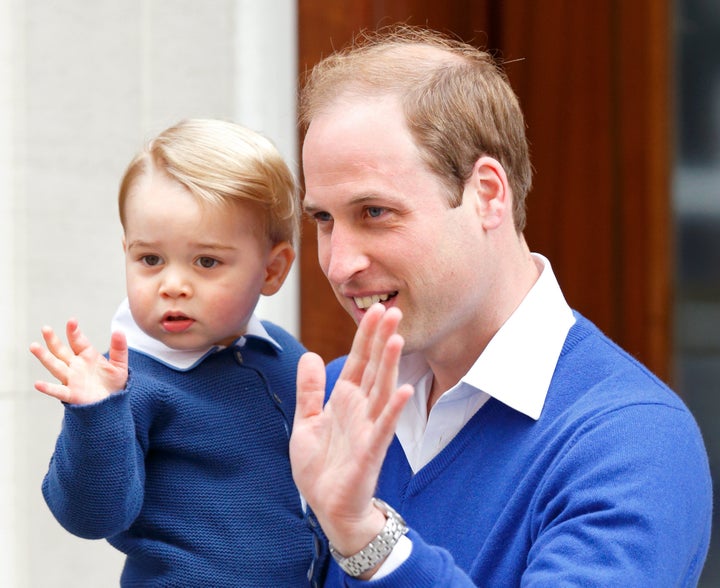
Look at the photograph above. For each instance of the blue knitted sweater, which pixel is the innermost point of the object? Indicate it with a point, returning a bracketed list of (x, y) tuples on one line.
[(188, 473), (610, 487)]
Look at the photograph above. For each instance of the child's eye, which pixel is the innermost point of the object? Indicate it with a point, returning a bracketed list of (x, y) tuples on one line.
[(151, 260), (207, 262)]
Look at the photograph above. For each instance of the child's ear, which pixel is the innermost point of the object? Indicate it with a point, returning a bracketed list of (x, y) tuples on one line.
[(280, 260)]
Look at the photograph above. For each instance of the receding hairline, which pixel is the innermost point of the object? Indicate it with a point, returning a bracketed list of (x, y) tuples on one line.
[(415, 53)]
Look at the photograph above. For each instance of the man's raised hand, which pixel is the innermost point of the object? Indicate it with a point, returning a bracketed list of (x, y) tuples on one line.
[(337, 450)]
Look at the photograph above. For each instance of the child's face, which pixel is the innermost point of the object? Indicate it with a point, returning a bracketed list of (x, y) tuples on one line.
[(195, 272)]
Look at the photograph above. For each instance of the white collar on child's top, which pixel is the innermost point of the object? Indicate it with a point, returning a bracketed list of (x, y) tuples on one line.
[(177, 359)]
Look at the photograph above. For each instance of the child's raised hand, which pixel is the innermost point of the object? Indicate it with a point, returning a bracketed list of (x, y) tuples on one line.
[(85, 375)]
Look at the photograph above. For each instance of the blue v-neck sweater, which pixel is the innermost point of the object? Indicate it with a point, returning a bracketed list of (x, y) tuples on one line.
[(188, 473), (610, 487)]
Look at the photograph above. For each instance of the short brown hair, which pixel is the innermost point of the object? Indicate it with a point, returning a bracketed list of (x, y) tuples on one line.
[(223, 162), (458, 102)]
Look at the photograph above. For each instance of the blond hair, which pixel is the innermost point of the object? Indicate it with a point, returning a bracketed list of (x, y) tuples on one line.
[(457, 101), (221, 162)]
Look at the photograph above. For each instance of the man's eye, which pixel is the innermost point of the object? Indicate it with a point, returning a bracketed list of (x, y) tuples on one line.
[(374, 211), (151, 260), (322, 217), (207, 262)]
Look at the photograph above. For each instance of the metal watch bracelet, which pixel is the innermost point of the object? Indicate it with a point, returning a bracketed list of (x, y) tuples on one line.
[(379, 548)]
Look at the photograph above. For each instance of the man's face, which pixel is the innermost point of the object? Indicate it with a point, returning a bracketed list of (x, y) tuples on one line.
[(384, 227)]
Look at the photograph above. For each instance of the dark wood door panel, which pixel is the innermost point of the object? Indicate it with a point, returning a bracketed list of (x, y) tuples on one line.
[(593, 81)]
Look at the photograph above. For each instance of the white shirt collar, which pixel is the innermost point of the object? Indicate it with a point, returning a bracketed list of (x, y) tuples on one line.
[(517, 365), (178, 359)]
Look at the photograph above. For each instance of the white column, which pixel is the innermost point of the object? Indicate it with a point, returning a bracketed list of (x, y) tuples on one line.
[(265, 100), (9, 307)]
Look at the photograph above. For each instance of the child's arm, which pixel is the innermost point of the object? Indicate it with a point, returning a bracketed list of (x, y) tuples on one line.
[(85, 375), (95, 481)]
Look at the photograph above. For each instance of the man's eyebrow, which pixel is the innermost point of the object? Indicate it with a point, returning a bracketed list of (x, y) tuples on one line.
[(356, 200), (309, 208)]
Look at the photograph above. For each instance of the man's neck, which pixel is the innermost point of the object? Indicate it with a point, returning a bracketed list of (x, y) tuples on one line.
[(450, 364)]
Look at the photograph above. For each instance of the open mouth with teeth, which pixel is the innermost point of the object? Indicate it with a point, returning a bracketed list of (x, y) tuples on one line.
[(365, 302)]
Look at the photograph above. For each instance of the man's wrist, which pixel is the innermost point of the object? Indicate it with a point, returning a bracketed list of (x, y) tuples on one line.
[(398, 556), (375, 552)]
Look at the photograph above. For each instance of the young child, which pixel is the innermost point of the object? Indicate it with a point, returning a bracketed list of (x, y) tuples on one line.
[(176, 450)]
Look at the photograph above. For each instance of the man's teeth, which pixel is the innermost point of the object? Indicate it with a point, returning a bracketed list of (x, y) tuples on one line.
[(367, 301)]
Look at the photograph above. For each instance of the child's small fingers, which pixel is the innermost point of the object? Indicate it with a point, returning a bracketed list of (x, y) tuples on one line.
[(56, 346), (58, 391), (76, 338), (35, 348), (50, 362), (118, 352)]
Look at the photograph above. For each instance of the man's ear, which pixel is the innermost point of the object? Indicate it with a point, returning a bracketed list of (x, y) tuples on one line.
[(493, 197), (124, 244), (280, 260)]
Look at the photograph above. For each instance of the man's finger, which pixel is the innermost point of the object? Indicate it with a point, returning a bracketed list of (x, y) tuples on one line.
[(310, 386), (361, 350), (387, 326), (385, 382)]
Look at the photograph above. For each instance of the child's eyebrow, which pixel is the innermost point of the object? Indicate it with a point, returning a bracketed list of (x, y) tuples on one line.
[(218, 246), (198, 245), (141, 243)]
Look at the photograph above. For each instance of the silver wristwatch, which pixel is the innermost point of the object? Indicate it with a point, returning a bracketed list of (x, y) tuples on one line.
[(379, 548)]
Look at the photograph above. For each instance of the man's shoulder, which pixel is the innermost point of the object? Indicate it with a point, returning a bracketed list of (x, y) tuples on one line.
[(596, 374), (588, 347)]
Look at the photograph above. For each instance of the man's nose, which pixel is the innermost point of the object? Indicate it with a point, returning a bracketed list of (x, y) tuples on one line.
[(344, 254)]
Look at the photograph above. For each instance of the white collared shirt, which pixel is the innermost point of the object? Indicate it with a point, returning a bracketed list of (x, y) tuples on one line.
[(515, 368), (178, 359)]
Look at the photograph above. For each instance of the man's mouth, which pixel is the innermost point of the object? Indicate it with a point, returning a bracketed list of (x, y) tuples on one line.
[(365, 302)]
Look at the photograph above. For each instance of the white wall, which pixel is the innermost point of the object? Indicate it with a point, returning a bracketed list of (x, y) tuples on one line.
[(82, 86)]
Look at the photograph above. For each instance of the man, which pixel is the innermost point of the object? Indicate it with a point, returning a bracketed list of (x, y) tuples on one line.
[(533, 450)]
